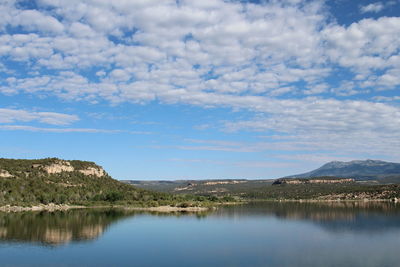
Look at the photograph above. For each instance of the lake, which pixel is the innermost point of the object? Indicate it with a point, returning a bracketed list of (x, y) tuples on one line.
[(259, 234)]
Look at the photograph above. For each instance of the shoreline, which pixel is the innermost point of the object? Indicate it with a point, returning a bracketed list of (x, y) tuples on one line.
[(63, 207), (55, 207), (326, 200), (170, 209), (41, 207)]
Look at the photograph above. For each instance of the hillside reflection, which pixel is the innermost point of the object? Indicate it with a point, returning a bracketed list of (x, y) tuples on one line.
[(55, 228), (61, 227), (333, 216)]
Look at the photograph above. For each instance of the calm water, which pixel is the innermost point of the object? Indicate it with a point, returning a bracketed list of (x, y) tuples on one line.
[(269, 234)]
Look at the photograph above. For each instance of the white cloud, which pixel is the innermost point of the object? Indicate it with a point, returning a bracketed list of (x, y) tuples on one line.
[(331, 125), (54, 130), (80, 30), (242, 48), (265, 58), (369, 48), (33, 20), (320, 115), (120, 75), (373, 7), (7, 10), (66, 130), (154, 49), (386, 98), (315, 157), (238, 49), (364, 45), (16, 115)]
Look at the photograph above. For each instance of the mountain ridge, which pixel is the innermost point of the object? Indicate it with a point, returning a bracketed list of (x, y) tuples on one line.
[(358, 169)]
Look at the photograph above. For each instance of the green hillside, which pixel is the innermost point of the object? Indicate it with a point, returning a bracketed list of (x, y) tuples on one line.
[(316, 188), (52, 180)]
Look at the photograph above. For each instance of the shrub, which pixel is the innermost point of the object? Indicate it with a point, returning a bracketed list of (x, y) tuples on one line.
[(114, 196)]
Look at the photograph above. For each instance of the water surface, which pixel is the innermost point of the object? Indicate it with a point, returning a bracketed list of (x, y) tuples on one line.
[(262, 234)]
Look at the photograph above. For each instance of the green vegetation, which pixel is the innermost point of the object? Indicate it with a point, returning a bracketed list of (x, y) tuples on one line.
[(26, 183), (310, 188), (345, 191), (51, 180), (219, 188)]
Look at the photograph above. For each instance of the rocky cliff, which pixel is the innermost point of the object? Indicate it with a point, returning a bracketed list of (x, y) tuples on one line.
[(13, 168), (58, 166)]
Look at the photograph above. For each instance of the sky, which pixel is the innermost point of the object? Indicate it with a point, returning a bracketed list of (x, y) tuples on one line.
[(211, 89)]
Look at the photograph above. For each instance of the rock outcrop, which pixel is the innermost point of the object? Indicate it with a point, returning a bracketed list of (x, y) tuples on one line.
[(99, 172), (60, 166), (5, 174)]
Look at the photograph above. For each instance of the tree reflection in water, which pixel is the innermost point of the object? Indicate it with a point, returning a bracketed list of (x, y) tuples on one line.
[(338, 216), (61, 227)]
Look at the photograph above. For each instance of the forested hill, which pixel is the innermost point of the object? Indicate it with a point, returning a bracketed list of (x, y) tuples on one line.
[(52, 180)]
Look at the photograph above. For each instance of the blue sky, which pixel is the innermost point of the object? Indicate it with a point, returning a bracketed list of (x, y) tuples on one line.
[(200, 89)]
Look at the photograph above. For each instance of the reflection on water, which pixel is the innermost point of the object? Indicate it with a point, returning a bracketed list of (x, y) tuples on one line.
[(258, 234), (335, 216), (60, 227), (54, 228)]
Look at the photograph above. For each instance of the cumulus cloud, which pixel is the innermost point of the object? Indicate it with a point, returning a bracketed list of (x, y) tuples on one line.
[(35, 20), (368, 48), (267, 58), (225, 47), (235, 48)]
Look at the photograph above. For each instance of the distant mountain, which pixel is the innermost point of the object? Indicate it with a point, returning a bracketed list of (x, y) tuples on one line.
[(357, 169)]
